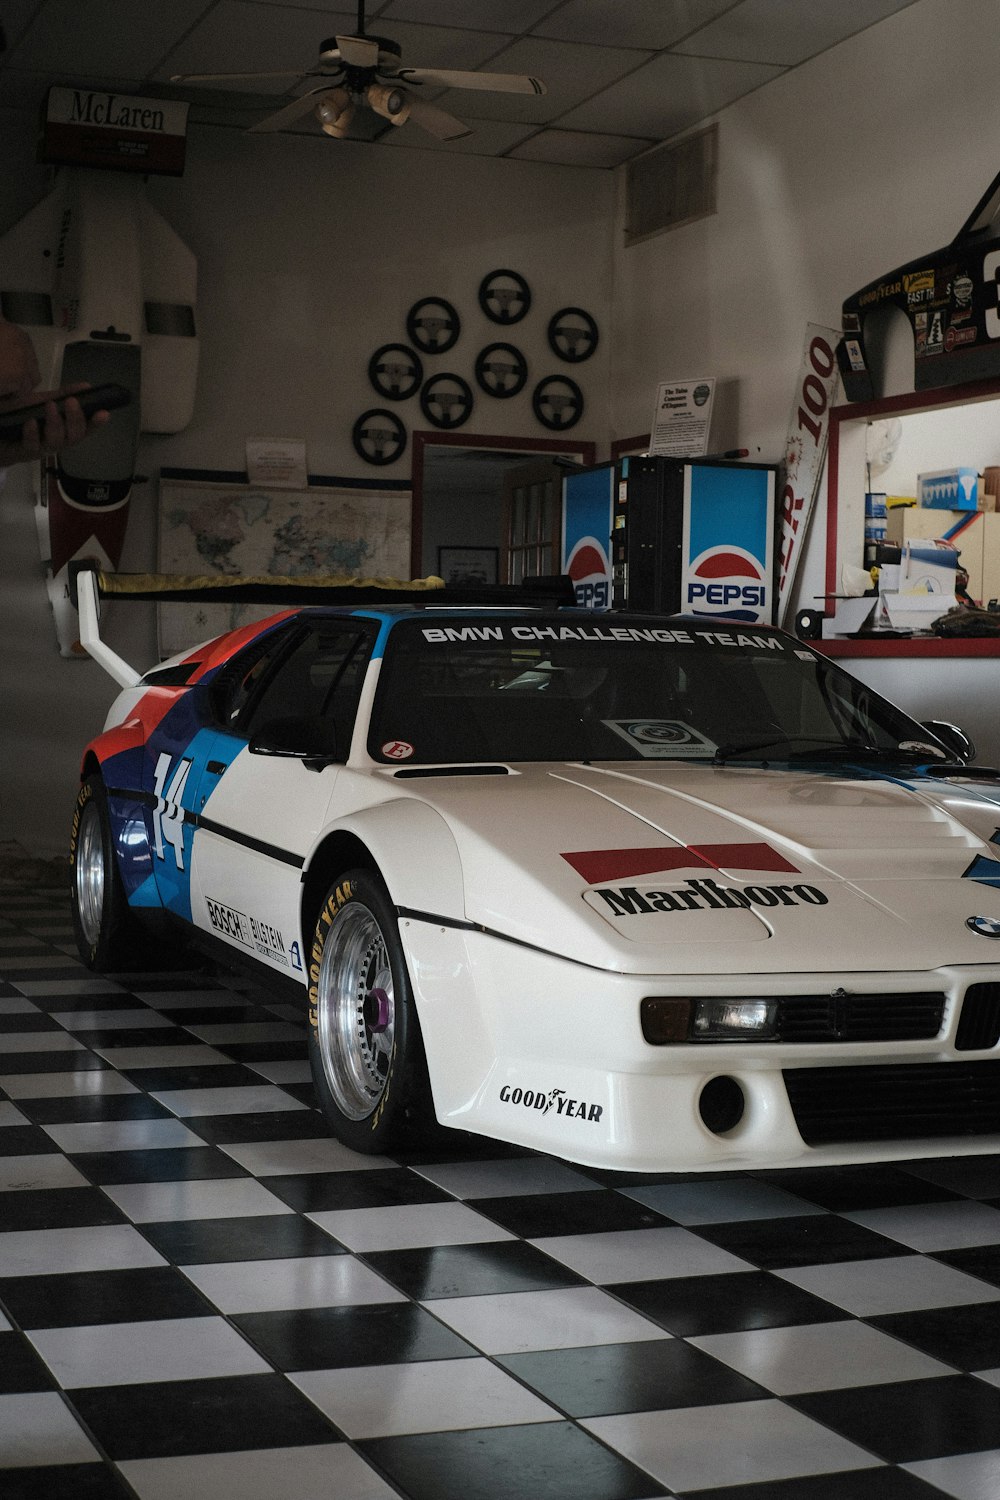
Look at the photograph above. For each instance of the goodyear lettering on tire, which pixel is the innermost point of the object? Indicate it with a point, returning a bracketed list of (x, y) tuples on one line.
[(86, 792), (337, 898)]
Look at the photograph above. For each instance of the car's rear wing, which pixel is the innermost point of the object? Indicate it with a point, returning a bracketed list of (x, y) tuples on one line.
[(89, 584)]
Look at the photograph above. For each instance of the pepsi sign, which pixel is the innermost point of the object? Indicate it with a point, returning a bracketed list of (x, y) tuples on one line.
[(590, 570), (725, 580), (586, 534), (728, 542)]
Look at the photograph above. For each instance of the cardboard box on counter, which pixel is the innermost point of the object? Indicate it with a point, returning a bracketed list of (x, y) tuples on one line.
[(968, 531), (913, 611), (949, 489)]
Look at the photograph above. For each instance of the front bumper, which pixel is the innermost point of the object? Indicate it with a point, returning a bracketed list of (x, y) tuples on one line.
[(532, 1049)]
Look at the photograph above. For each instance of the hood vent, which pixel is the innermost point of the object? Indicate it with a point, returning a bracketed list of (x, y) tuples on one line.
[(410, 773)]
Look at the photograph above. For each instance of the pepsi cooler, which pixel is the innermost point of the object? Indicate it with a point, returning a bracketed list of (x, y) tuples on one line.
[(694, 536)]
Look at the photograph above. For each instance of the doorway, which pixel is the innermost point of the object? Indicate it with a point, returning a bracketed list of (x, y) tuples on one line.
[(458, 490)]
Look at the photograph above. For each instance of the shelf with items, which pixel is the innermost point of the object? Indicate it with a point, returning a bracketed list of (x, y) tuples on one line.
[(960, 424)]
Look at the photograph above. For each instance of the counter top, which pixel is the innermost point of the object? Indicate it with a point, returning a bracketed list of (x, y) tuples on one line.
[(933, 646)]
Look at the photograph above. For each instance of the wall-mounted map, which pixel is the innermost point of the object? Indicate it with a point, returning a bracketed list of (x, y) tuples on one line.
[(239, 530)]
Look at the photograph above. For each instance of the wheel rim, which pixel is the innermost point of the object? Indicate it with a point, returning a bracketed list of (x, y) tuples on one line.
[(356, 1012), (90, 874)]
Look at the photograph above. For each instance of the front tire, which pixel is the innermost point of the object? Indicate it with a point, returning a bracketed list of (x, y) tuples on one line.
[(105, 929), (365, 1048)]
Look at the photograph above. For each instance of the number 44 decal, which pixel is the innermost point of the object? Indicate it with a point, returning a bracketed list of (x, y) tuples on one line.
[(168, 815)]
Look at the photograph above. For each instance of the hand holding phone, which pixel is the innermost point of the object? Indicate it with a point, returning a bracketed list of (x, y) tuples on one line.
[(56, 420), (91, 399)]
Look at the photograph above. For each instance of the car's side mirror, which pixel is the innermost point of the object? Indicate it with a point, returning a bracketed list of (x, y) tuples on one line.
[(954, 740), (303, 738)]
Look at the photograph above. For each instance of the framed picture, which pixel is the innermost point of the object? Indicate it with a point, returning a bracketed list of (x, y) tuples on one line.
[(465, 567)]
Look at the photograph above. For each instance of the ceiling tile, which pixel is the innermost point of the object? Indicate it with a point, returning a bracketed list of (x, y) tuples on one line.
[(578, 148), (667, 95), (489, 137), (102, 37), (570, 73), (238, 38), (629, 23), (27, 91), (16, 15), (511, 16), (213, 112), (785, 31), (443, 46)]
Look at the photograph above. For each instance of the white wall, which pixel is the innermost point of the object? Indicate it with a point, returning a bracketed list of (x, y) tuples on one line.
[(856, 162), (310, 254)]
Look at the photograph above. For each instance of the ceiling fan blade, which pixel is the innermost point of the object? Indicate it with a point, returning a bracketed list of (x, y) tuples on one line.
[(226, 77), (437, 122), (496, 83), (358, 51), (291, 112)]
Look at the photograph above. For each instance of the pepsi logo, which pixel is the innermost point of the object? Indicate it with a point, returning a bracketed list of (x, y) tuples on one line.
[(727, 581), (589, 569)]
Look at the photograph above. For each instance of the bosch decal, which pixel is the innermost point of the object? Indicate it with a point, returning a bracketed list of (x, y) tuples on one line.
[(229, 922)]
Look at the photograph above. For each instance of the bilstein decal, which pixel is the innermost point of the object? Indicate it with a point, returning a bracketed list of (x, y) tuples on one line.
[(704, 895), (595, 865), (557, 1099)]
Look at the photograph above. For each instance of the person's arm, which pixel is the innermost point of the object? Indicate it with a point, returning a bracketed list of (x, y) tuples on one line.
[(19, 376)]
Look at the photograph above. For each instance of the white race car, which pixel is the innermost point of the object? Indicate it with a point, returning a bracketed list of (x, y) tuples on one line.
[(643, 893)]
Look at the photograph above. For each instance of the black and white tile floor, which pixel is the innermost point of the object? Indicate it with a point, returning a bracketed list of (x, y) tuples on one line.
[(202, 1294)]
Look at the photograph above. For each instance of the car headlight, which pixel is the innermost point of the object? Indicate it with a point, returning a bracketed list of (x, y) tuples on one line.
[(670, 1019)]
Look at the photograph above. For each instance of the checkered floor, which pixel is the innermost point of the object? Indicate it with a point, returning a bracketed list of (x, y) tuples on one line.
[(201, 1294)]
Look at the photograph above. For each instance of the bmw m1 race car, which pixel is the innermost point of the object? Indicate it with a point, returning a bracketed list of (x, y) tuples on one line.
[(640, 892)]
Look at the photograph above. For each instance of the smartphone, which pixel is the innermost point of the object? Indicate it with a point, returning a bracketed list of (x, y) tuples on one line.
[(97, 398)]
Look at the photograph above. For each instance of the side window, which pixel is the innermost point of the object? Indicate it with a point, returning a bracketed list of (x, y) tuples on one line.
[(239, 679), (321, 677)]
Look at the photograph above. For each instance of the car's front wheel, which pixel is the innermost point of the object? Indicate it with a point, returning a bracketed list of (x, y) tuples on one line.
[(364, 1039), (105, 929)]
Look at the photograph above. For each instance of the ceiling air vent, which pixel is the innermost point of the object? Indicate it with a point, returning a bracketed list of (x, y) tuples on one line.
[(672, 185)]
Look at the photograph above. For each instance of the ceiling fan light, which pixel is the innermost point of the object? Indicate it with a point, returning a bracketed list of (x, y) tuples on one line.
[(391, 103), (335, 112)]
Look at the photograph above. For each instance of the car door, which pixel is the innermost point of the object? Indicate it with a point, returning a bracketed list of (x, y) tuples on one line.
[(181, 754), (259, 812)]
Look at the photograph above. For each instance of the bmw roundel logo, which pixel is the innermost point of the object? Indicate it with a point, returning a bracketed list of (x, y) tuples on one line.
[(985, 926)]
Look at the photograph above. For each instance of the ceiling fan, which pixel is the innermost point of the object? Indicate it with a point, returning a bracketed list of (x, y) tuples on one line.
[(364, 71)]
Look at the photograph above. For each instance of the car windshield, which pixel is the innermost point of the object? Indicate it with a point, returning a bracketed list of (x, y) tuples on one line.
[(573, 687)]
